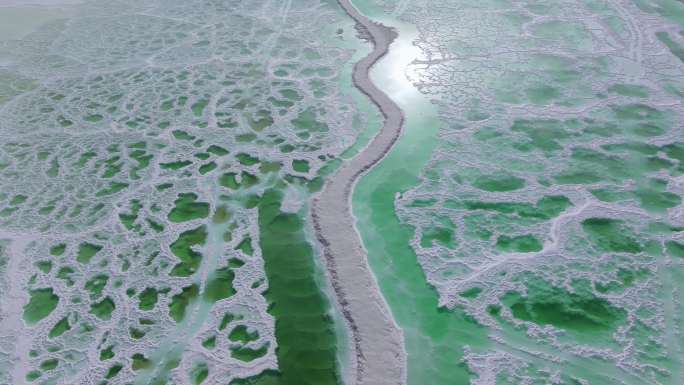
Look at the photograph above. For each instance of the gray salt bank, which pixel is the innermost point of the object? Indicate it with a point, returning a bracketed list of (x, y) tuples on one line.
[(435, 339), (378, 356)]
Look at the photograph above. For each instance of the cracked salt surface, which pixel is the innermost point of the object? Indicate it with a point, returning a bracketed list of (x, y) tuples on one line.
[(551, 211), (137, 140)]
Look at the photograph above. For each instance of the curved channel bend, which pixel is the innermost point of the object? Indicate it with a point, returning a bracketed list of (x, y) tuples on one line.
[(377, 343)]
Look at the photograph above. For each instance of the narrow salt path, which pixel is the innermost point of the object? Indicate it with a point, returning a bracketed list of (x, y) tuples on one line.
[(378, 355)]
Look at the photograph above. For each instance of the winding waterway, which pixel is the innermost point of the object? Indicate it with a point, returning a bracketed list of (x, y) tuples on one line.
[(377, 343), (434, 338)]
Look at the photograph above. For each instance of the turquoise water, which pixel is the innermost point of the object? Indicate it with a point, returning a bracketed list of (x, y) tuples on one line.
[(548, 203), (435, 337)]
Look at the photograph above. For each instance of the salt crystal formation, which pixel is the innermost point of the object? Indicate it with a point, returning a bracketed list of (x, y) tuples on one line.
[(136, 139), (551, 209)]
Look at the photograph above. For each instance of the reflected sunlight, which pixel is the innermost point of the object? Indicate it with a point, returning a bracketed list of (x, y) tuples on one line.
[(395, 71)]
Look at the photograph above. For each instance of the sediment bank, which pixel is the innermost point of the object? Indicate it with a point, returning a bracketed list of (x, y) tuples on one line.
[(378, 355)]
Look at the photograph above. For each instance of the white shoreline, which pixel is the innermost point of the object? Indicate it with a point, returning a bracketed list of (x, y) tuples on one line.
[(377, 343)]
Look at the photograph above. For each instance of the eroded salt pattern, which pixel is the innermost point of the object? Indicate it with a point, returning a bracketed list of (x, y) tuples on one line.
[(137, 139), (551, 211)]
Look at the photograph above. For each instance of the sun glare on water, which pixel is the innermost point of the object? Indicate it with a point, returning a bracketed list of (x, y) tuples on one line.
[(396, 72)]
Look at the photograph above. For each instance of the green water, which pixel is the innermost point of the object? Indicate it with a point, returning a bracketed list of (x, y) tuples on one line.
[(182, 248), (41, 304), (187, 208), (579, 312), (297, 303), (60, 328), (434, 336), (510, 140)]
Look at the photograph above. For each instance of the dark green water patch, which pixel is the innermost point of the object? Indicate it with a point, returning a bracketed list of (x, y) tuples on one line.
[(633, 90), (654, 198), (58, 249), (546, 208), (241, 334), (41, 303), (520, 244), (209, 343), (577, 177), (229, 180), (304, 331), (158, 227), (543, 134), (244, 138), (441, 235), (672, 45), (44, 266), (675, 151), (199, 373), (177, 165), (139, 361), (128, 219), (33, 375), (49, 364), (219, 285), (65, 273), (113, 188), (647, 130), (675, 249), (300, 165), (611, 235), (248, 180), (306, 121), (499, 183), (217, 150), (290, 94), (181, 301), (18, 200), (583, 159), (580, 311), (61, 327), (246, 159), (222, 215), (94, 118), (86, 252), (248, 354), (246, 246), (143, 159), (625, 279), (187, 208), (107, 353), (163, 186), (631, 147), (198, 107), (183, 249), (473, 292), (136, 333), (182, 135), (113, 371), (103, 309), (227, 319), (263, 119), (207, 168), (148, 298), (96, 284)]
